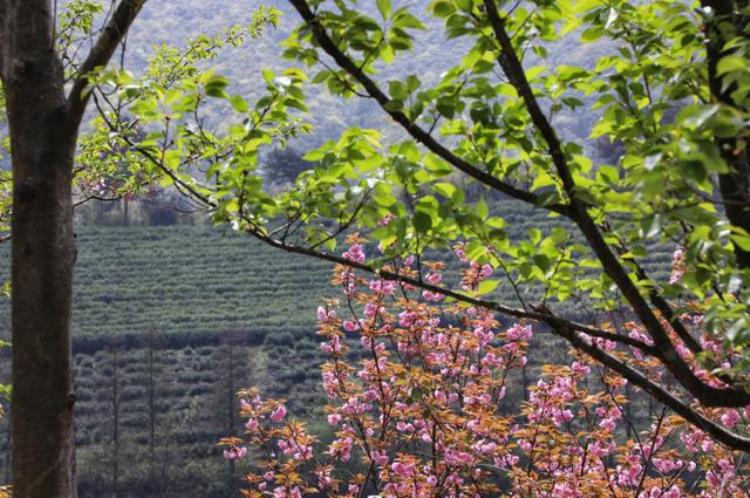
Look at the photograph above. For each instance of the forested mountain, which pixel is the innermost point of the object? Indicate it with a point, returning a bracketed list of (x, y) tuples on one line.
[(165, 22)]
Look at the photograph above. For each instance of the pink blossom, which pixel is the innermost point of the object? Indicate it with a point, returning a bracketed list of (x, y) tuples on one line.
[(279, 413), (372, 310), (281, 492), (486, 271), (380, 457), (433, 297), (673, 492), (460, 458), (434, 278), (678, 266), (324, 479), (460, 253), (235, 453), (560, 417), (580, 368), (519, 332), (730, 418), (406, 318), (355, 253), (332, 346), (402, 469), (252, 424), (384, 287), (341, 448), (386, 220), (325, 315)]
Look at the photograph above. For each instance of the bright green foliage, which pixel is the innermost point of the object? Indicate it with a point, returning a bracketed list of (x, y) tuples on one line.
[(651, 95), (649, 89), (139, 116)]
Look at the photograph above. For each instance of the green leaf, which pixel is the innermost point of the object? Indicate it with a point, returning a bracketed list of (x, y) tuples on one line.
[(443, 9), (731, 63), (238, 103), (385, 8), (404, 20), (591, 34), (483, 210), (741, 240), (487, 286), (422, 222), (445, 189), (215, 86)]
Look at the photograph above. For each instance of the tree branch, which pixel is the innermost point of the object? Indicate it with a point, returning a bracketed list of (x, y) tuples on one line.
[(538, 316), (101, 52), (420, 135), (565, 328), (691, 415), (513, 69)]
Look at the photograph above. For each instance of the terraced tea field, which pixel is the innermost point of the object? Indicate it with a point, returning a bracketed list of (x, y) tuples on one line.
[(169, 322)]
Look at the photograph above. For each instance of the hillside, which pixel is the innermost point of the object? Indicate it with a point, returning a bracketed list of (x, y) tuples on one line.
[(185, 316), (170, 321), (171, 23)]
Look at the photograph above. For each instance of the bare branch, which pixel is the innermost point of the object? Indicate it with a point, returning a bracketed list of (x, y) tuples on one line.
[(99, 198), (110, 37), (538, 316), (635, 377)]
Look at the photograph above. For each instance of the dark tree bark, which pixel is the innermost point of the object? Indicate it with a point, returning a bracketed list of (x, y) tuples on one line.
[(42, 254), (726, 20), (43, 125)]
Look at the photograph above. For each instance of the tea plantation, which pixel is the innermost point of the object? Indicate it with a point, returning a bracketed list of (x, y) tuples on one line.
[(169, 323)]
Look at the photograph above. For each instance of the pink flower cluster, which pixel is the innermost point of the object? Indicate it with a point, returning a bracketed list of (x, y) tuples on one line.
[(425, 404)]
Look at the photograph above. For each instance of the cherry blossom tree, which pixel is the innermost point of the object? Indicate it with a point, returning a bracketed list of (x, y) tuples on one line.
[(417, 388)]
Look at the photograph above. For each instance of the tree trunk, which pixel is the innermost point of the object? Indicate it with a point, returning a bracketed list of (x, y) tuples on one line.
[(42, 257), (43, 139), (125, 212), (728, 20)]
